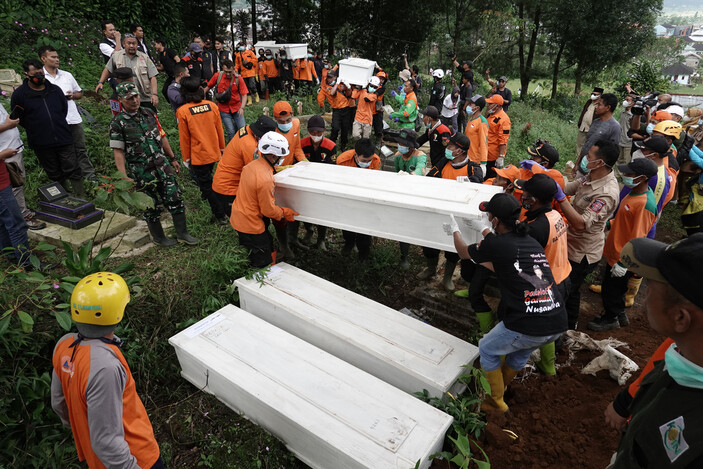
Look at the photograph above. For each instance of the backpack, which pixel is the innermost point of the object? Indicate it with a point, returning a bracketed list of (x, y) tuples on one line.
[(226, 95)]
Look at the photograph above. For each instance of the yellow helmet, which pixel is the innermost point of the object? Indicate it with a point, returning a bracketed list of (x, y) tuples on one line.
[(669, 128), (99, 299)]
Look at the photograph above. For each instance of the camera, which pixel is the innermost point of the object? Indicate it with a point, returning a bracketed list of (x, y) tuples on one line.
[(451, 54), (644, 101)]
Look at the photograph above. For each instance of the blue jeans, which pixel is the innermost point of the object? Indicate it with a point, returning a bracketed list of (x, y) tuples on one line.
[(232, 122), (13, 228), (515, 346)]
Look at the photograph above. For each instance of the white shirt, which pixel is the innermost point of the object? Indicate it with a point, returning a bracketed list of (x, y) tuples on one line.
[(107, 49), (449, 108), (67, 83), (10, 138)]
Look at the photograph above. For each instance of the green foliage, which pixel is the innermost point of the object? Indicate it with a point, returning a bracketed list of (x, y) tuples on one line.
[(645, 76)]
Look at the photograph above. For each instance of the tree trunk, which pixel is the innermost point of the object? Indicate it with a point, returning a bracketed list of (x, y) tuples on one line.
[(524, 80), (331, 31), (555, 76), (253, 22), (579, 77)]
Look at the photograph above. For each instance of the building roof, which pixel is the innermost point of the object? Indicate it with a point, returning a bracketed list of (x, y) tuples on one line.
[(678, 69), (668, 26)]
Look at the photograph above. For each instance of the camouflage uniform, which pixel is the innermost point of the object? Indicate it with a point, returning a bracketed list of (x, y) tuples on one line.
[(140, 138)]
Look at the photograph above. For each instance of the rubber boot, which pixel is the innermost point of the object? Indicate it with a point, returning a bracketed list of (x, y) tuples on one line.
[(157, 234), (485, 321), (404, 249), (249, 100), (283, 246), (633, 286), (266, 95), (448, 274), (78, 188), (307, 239), (546, 362), (430, 270), (256, 97), (293, 228), (179, 222), (462, 293), (508, 374), (495, 400)]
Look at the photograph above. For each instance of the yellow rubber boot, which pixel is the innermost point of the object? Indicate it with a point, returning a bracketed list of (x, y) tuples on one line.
[(249, 101), (256, 97), (633, 286), (495, 400), (508, 374)]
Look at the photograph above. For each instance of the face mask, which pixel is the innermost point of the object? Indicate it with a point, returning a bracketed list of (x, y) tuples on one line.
[(584, 166), (448, 154), (316, 138), (268, 57), (309, 56), (492, 111), (37, 79), (637, 155), (283, 56), (626, 104), (650, 128), (594, 97), (240, 48), (363, 165), (629, 181), (280, 161), (327, 66), (403, 149), (469, 111), (285, 127), (371, 89), (683, 371)]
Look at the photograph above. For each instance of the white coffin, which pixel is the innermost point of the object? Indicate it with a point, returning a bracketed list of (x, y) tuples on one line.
[(356, 71), (295, 51), (266, 45), (396, 348), (406, 208), (329, 413)]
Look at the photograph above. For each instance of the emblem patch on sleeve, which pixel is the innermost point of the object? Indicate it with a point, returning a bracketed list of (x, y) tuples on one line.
[(672, 438), (597, 205)]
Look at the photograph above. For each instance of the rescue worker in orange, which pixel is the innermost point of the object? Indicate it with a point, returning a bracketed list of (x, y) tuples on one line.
[(337, 94), (271, 74), (255, 204), (240, 151), (363, 120), (202, 141), (92, 388), (498, 134), (307, 75), (477, 131), (246, 64)]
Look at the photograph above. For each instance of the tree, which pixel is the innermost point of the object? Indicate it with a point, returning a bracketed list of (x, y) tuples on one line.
[(529, 13)]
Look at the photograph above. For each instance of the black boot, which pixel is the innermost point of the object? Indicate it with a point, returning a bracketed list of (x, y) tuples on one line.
[(283, 246), (157, 234), (179, 222)]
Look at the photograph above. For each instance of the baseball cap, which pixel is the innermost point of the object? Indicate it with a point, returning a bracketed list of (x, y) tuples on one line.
[(598, 90), (431, 111), (404, 75), (195, 47), (262, 125), (503, 78), (282, 108), (123, 73), (657, 143), (510, 172), (639, 167), (676, 264), (407, 137), (332, 73), (461, 140), (317, 124), (504, 206), (495, 99), (478, 100), (541, 186), (273, 143), (661, 115), (126, 90), (544, 149)]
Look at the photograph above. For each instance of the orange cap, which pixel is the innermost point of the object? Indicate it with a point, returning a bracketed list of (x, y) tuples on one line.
[(282, 108), (510, 172), (495, 99), (661, 115)]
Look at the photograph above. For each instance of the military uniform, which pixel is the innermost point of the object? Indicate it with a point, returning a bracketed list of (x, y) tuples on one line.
[(140, 136)]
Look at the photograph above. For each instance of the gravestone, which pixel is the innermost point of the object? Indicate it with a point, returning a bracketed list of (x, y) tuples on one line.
[(58, 207)]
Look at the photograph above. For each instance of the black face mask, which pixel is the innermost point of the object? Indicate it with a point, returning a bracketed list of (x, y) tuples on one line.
[(37, 79)]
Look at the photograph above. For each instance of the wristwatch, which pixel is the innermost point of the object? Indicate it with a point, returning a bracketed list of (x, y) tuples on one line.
[(100, 82)]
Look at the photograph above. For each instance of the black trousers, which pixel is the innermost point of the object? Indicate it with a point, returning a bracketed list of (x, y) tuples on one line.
[(613, 293), (432, 253), (377, 124), (362, 241), (203, 176), (490, 170), (579, 272), (226, 202), (341, 123), (60, 163), (164, 89), (260, 246), (477, 276)]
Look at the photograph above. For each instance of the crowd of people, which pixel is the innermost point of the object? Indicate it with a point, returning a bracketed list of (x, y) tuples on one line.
[(542, 235)]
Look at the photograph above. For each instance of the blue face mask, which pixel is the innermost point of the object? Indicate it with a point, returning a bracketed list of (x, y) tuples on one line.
[(240, 49), (650, 128), (448, 154), (363, 165), (309, 56), (403, 149), (371, 89), (683, 371), (285, 127), (629, 181), (268, 57), (469, 111), (584, 166)]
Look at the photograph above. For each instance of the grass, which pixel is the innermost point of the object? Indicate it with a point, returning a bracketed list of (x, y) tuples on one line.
[(695, 89)]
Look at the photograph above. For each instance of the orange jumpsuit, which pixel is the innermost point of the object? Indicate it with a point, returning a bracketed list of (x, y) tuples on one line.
[(239, 152)]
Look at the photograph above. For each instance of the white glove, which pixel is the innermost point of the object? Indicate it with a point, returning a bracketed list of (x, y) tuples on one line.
[(618, 270), (479, 225), (451, 227), (483, 169), (500, 161), (338, 81), (403, 173)]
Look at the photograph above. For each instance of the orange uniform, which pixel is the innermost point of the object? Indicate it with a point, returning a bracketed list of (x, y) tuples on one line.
[(498, 133), (366, 106), (200, 132), (635, 217), (250, 57), (296, 150), (557, 250), (347, 159), (270, 68), (338, 101), (306, 70), (239, 152), (477, 131), (255, 198), (260, 69)]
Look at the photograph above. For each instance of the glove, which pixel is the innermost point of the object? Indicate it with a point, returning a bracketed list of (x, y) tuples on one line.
[(289, 214), (500, 161), (559, 196), (618, 270), (400, 87), (403, 173), (528, 164), (393, 94), (483, 169), (451, 227), (479, 225), (281, 168), (396, 119)]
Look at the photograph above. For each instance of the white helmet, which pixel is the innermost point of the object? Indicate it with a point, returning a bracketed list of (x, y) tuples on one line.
[(439, 73), (273, 143), (375, 81)]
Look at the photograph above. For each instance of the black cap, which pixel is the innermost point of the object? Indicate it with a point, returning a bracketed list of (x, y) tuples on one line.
[(461, 140), (407, 137), (478, 100), (657, 143), (123, 73), (639, 167), (316, 123), (544, 149), (504, 206), (431, 111), (332, 73), (677, 264), (541, 186), (262, 125), (598, 90)]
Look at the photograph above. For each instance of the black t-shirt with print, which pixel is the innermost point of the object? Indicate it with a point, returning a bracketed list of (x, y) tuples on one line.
[(529, 302)]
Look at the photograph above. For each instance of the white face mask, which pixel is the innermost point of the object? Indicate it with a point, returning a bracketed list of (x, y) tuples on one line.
[(594, 97), (637, 155), (316, 138), (626, 104)]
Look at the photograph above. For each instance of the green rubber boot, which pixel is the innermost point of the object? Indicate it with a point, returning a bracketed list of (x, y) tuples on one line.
[(485, 321), (462, 293), (546, 362)]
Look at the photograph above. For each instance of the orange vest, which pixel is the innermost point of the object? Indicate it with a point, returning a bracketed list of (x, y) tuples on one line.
[(347, 159), (296, 150), (200, 132), (250, 57), (239, 152), (556, 250), (74, 376)]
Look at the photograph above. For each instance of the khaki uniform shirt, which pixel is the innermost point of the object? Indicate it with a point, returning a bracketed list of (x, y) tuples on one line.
[(588, 117), (595, 202)]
